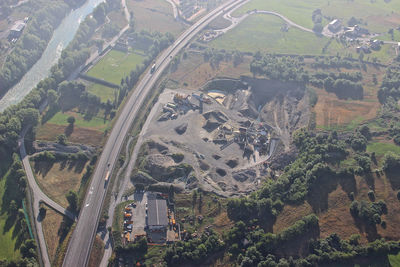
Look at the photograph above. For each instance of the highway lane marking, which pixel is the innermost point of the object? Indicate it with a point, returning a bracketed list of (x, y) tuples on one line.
[(90, 197)]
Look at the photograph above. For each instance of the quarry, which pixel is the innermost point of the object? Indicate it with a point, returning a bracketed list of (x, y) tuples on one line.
[(221, 136)]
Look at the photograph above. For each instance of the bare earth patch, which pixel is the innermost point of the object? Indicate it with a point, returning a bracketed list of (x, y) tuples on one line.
[(331, 111)]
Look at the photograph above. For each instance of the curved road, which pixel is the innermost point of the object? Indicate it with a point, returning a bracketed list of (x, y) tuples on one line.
[(39, 196), (82, 239)]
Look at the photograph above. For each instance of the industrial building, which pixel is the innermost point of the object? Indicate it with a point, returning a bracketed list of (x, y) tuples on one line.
[(157, 217), (17, 29)]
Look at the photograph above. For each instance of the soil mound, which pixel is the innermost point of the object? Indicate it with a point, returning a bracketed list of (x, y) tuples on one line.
[(221, 172), (242, 176), (232, 163), (181, 129)]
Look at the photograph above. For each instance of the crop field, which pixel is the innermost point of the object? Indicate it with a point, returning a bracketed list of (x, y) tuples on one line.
[(115, 66), (193, 72), (51, 223), (8, 241), (264, 33), (104, 92), (378, 16), (56, 179), (154, 15)]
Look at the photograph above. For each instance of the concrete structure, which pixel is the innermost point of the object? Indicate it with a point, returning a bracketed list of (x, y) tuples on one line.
[(157, 218), (17, 29)]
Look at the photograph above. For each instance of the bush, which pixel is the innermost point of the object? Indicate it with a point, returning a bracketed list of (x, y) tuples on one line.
[(371, 195)]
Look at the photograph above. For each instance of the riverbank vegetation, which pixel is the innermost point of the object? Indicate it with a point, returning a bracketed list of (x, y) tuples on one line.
[(33, 42)]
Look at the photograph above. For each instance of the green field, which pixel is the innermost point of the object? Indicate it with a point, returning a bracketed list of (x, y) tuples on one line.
[(378, 16), (154, 15), (115, 66), (388, 37), (394, 260), (263, 33), (7, 241), (381, 148), (104, 92), (96, 123)]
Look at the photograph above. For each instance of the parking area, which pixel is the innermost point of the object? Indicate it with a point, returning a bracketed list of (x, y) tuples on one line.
[(150, 215)]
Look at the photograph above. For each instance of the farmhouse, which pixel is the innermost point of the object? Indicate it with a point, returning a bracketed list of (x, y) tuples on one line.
[(334, 25), (157, 218)]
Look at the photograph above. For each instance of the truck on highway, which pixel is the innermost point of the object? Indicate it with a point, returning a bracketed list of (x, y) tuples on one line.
[(153, 68), (107, 176)]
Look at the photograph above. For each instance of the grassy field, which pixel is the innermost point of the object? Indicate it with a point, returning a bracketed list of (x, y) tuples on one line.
[(381, 148), (388, 37), (394, 260), (341, 114), (51, 223), (193, 72), (115, 66), (154, 15), (104, 92), (8, 241), (263, 33), (97, 252), (378, 15), (49, 132), (212, 208), (96, 123), (57, 179)]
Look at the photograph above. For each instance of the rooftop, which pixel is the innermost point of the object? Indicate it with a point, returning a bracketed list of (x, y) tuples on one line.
[(157, 212), (18, 26)]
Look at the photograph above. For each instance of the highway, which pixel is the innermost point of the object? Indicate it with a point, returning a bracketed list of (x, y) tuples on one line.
[(79, 247)]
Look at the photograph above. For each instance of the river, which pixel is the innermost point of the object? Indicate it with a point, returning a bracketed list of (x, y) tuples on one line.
[(60, 39)]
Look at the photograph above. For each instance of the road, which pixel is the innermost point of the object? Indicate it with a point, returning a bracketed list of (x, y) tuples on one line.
[(38, 196), (82, 239)]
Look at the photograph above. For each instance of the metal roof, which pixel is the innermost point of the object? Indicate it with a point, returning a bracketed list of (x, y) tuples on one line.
[(157, 212), (18, 26)]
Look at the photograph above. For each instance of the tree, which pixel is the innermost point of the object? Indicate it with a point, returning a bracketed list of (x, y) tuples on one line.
[(318, 27), (391, 162), (99, 13), (13, 208), (42, 212), (71, 120), (171, 194), (62, 139), (52, 97), (72, 199)]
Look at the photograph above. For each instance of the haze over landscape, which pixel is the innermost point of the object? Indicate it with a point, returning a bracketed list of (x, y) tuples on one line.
[(199, 133)]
